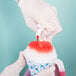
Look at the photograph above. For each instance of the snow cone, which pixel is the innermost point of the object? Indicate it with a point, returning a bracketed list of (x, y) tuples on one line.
[(40, 55)]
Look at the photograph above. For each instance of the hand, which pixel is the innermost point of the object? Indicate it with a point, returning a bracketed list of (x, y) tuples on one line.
[(39, 12), (15, 68)]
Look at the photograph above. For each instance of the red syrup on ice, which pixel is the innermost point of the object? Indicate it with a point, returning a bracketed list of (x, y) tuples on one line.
[(41, 46)]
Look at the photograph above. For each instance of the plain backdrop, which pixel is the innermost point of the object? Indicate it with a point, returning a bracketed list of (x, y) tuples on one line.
[(15, 35)]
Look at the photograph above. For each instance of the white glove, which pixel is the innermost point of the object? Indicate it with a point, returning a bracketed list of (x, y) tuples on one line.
[(39, 12), (15, 68)]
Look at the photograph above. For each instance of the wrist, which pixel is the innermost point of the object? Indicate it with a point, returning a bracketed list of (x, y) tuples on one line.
[(19, 65), (24, 3)]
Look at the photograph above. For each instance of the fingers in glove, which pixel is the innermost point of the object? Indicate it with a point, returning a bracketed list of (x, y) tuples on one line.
[(31, 23)]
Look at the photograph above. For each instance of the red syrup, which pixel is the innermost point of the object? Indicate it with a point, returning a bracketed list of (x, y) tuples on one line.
[(41, 46)]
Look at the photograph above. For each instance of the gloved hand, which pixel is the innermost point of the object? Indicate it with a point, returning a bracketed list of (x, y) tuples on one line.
[(39, 12), (15, 68)]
